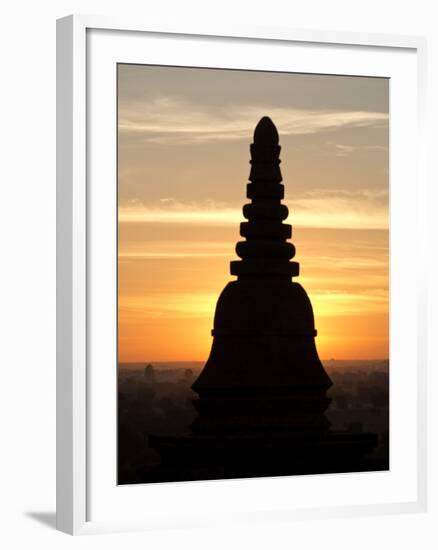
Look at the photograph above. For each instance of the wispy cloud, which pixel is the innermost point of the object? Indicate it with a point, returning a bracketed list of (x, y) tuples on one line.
[(332, 303), (342, 150), (164, 305), (338, 210), (175, 249), (173, 120)]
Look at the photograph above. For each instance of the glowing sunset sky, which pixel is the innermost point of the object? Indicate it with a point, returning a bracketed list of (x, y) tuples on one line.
[(184, 137)]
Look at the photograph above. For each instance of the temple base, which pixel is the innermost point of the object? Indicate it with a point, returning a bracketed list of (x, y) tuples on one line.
[(218, 457)]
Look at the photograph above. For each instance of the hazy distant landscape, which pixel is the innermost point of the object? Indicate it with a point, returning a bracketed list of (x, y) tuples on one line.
[(155, 398)]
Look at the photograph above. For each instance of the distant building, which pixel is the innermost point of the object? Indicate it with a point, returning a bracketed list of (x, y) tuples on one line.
[(149, 373), (188, 374)]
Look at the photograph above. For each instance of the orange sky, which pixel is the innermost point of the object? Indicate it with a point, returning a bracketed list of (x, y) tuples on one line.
[(184, 138)]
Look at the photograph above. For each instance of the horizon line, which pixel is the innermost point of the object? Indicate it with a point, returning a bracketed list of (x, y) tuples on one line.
[(204, 361)]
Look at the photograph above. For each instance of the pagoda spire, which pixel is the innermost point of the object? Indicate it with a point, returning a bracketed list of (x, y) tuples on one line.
[(265, 252)]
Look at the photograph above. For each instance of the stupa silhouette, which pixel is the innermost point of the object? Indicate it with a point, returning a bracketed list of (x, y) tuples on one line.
[(262, 393)]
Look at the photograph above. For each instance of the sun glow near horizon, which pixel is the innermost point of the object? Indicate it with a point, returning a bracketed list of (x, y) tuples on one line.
[(168, 294)]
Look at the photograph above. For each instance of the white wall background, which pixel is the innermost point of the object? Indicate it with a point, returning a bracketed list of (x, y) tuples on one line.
[(27, 255)]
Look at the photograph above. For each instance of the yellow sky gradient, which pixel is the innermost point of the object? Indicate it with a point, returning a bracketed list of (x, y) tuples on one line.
[(184, 138)]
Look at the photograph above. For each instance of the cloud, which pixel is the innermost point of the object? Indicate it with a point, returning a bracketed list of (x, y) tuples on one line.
[(342, 150), (162, 305), (173, 120), (341, 209), (181, 213), (321, 209), (175, 249), (334, 303)]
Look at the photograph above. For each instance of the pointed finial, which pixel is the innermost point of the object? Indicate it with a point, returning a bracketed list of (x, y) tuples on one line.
[(265, 132), (265, 252)]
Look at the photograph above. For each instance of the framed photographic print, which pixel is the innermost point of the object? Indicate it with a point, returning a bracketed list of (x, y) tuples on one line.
[(240, 275)]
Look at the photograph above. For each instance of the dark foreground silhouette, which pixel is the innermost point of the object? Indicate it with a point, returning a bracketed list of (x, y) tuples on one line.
[(161, 402), (262, 395)]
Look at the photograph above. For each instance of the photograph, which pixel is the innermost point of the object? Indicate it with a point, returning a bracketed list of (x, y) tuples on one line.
[(219, 292), (252, 274)]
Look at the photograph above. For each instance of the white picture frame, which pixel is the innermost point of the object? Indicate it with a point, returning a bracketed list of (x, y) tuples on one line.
[(80, 381)]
